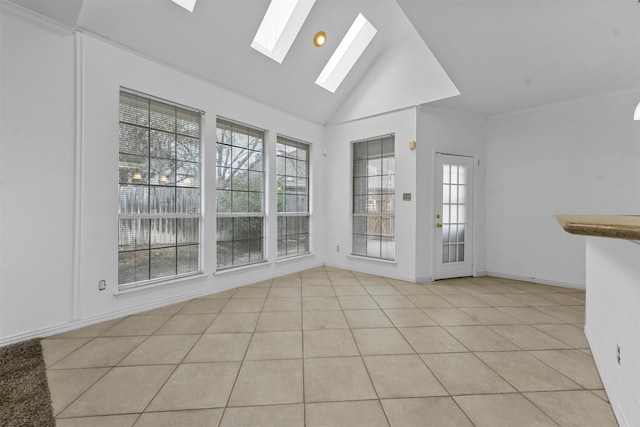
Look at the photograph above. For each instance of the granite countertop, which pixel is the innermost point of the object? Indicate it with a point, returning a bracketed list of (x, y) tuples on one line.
[(615, 226)]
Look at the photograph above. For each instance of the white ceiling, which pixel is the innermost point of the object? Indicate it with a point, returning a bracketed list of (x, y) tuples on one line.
[(506, 55), (502, 55)]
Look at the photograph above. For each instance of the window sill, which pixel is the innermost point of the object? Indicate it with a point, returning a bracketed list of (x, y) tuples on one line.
[(246, 267), (158, 283), (375, 260), (294, 258)]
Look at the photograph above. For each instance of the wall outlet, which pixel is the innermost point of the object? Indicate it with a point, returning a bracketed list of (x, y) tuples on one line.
[(337, 248), (618, 353), (102, 285)]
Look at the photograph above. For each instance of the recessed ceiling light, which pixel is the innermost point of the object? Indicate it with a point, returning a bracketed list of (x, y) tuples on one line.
[(320, 38), (187, 4), (280, 27), (347, 54)]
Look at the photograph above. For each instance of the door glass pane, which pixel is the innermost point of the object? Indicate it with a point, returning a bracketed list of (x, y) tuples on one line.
[(454, 174), (445, 193), (461, 214), (461, 252), (453, 212), (453, 233)]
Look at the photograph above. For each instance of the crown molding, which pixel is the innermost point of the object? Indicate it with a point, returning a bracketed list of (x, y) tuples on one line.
[(44, 22)]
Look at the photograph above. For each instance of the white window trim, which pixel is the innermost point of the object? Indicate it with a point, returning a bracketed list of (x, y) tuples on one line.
[(177, 278)]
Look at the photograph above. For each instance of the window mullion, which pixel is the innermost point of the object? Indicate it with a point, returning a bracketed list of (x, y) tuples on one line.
[(157, 119)]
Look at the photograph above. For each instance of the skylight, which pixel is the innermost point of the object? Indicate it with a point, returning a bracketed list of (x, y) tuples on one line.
[(347, 53), (187, 4), (280, 27)]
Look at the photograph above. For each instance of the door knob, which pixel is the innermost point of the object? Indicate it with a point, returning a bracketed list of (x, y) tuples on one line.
[(439, 225)]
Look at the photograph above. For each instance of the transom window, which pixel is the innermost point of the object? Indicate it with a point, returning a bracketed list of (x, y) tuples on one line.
[(292, 175), (240, 194), (159, 189), (374, 197)]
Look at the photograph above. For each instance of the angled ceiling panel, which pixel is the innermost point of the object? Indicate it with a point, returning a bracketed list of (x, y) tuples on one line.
[(406, 75)]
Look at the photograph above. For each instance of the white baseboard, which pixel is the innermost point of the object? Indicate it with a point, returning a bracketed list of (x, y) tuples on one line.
[(535, 280), (604, 377), (359, 269)]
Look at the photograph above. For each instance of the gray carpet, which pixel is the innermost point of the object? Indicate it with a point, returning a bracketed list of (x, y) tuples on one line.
[(24, 392)]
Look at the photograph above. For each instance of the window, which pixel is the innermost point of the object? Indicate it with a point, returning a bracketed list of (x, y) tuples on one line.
[(374, 197), (292, 169), (240, 194), (159, 189)]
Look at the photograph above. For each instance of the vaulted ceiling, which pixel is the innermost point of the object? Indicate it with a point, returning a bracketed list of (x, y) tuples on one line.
[(506, 55), (498, 55)]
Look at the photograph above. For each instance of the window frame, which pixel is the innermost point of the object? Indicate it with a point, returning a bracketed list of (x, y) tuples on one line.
[(363, 213), (169, 211), (239, 215), (286, 214)]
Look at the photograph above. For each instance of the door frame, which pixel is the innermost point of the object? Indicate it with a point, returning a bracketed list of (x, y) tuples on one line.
[(434, 208)]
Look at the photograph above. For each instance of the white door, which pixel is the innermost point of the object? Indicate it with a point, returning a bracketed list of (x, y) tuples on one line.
[(453, 221)]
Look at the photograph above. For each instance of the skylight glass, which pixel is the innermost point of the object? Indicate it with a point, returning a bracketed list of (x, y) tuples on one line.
[(347, 54), (187, 4), (280, 27)]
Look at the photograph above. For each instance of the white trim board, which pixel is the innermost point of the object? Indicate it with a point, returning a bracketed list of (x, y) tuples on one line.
[(535, 280)]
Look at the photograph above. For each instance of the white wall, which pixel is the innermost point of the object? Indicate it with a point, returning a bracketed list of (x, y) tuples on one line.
[(451, 133), (36, 176), (581, 157), (338, 193), (38, 293), (613, 319)]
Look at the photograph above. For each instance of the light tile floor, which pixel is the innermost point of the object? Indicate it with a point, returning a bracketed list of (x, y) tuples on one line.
[(330, 347)]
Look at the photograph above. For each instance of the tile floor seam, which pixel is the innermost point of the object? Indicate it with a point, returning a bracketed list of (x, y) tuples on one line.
[(85, 390), (159, 389), (509, 382), (110, 368), (559, 372), (170, 375), (540, 408), (244, 357), (366, 368)]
